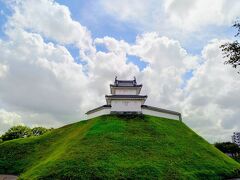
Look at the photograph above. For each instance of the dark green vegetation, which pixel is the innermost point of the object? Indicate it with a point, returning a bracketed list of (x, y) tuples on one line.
[(114, 147), (20, 131), (230, 148), (16, 132), (231, 50)]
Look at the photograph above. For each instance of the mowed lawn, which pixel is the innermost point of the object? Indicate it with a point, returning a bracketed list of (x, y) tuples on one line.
[(117, 147)]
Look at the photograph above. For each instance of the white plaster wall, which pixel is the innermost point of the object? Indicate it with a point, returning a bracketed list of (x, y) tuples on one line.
[(99, 113), (126, 105), (126, 91), (159, 114)]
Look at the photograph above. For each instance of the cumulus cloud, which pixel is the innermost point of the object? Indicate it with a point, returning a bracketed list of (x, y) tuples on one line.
[(166, 65), (185, 15), (3, 70), (8, 119), (42, 77), (129, 10), (212, 100), (192, 15), (48, 18), (140, 13)]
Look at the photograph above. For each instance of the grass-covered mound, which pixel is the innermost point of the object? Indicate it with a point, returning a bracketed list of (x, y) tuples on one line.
[(114, 147)]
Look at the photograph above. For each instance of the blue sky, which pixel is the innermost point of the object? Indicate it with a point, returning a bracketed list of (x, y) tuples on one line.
[(98, 23), (4, 12)]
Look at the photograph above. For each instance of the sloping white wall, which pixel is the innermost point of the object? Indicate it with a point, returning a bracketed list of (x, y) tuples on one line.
[(129, 106), (99, 113), (126, 105), (160, 114)]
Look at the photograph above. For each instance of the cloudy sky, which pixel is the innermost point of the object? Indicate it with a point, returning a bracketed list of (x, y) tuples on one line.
[(58, 58)]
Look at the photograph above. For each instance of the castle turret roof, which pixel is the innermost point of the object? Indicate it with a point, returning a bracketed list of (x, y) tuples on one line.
[(125, 83)]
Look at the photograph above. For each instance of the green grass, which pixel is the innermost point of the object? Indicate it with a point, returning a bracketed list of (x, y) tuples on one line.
[(114, 147)]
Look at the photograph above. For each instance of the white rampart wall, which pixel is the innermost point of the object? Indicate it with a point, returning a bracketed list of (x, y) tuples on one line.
[(132, 106), (99, 113), (160, 114), (126, 105), (126, 91)]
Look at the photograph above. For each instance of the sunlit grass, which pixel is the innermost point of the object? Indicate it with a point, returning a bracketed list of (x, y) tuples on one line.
[(110, 147)]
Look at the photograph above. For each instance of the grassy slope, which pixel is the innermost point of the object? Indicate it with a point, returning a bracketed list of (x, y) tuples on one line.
[(112, 147)]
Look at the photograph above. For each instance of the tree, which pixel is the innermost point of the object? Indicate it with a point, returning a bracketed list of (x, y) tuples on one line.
[(228, 147), (16, 132), (37, 131), (232, 50)]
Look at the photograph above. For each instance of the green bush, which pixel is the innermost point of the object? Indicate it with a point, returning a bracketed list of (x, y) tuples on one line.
[(16, 132), (37, 131), (20, 131), (228, 147)]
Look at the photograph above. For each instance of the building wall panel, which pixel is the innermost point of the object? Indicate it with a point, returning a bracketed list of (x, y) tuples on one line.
[(126, 105), (160, 114), (125, 91), (99, 113)]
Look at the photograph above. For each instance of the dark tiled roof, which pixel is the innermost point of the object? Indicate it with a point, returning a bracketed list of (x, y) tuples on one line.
[(125, 83), (98, 108), (126, 96), (161, 110)]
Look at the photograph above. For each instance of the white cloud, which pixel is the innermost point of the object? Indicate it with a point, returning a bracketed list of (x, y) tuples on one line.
[(3, 70), (186, 15), (8, 119), (50, 19), (192, 15), (162, 77), (141, 13), (212, 98), (42, 77), (127, 10), (113, 45)]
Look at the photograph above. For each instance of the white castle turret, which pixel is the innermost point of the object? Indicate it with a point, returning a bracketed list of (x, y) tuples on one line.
[(125, 98)]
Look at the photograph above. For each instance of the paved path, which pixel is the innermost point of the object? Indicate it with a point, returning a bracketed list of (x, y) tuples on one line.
[(7, 177)]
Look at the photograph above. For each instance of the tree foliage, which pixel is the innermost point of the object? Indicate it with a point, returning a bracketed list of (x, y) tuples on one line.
[(16, 132), (228, 147), (37, 131), (231, 50), (20, 131)]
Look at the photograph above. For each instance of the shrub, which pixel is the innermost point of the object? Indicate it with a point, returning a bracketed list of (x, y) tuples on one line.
[(16, 132)]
